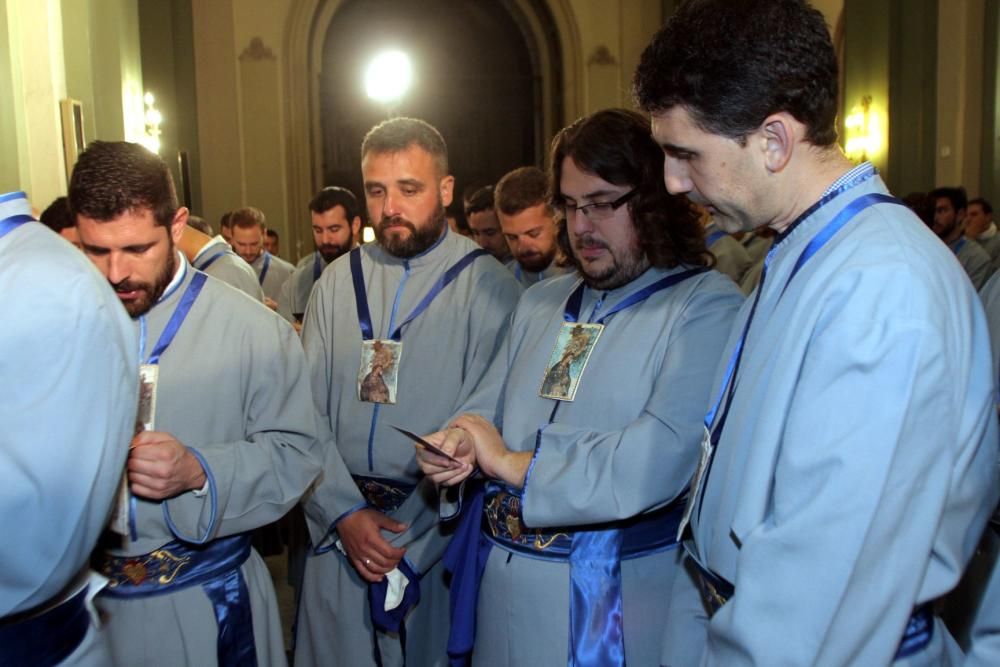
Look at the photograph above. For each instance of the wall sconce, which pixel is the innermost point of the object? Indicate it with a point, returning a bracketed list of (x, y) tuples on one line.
[(865, 132), (152, 118)]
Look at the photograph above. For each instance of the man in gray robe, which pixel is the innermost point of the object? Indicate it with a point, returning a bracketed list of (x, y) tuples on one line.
[(949, 225), (849, 461), (980, 227), (367, 336), (336, 228), (214, 256), (227, 429), (248, 226), (529, 225), (613, 454), (67, 404)]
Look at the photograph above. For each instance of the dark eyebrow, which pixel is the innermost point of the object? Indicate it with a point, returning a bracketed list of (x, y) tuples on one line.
[(92, 249), (140, 247), (412, 182), (599, 193), (673, 149)]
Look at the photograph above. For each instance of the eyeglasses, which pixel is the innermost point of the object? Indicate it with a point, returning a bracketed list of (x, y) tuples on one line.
[(598, 211)]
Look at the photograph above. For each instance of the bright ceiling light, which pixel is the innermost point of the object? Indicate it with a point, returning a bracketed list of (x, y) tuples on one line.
[(388, 76)]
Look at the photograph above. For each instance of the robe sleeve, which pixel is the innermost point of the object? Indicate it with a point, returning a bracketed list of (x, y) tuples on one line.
[(866, 466), (256, 481), (336, 495), (242, 278), (582, 476)]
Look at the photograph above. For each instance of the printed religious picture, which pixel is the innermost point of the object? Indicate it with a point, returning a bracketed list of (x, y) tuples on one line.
[(569, 359), (379, 370)]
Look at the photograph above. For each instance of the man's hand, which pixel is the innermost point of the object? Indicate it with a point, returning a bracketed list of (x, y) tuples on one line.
[(494, 458), (441, 471), (361, 538), (160, 467), (270, 303)]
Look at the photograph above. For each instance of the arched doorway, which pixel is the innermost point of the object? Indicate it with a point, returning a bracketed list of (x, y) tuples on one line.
[(323, 135), (474, 81)]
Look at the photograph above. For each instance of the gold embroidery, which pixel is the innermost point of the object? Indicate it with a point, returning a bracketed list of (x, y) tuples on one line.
[(178, 564), (540, 545)]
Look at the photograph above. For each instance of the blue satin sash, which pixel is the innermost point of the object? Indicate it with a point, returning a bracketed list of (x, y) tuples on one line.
[(317, 267), (361, 295), (267, 265), (177, 319), (958, 245), (215, 567), (211, 260), (48, 638), (716, 591)]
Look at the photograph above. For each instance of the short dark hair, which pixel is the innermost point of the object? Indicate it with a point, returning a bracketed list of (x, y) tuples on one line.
[(199, 223), (57, 216), (398, 134), (226, 220), (521, 189), (480, 200), (956, 195), (114, 177), (333, 195), (272, 234), (987, 208), (615, 144), (248, 217), (732, 63)]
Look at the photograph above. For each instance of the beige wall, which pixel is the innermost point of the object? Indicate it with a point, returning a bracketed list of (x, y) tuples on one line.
[(959, 93), (53, 49)]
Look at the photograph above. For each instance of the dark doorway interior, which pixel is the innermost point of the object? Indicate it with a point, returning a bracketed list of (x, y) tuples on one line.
[(473, 80)]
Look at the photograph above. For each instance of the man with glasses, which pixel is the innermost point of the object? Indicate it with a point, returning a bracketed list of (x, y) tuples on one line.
[(599, 391)]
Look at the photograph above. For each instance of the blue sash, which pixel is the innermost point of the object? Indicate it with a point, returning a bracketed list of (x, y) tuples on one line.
[(716, 591), (267, 265), (215, 567), (13, 222), (46, 639), (958, 245)]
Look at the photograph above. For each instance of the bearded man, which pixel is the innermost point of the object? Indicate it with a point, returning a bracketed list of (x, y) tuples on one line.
[(441, 305)]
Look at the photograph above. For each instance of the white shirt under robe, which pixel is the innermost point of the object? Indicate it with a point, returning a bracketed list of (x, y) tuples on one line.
[(295, 292), (233, 388), (627, 443), (229, 267), (68, 396), (446, 351), (278, 271), (858, 464)]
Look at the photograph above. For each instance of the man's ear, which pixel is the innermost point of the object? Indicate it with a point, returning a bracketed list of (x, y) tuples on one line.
[(780, 135), (178, 224)]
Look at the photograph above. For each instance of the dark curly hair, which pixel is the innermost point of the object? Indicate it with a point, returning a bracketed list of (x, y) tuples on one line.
[(114, 177), (732, 63), (615, 144)]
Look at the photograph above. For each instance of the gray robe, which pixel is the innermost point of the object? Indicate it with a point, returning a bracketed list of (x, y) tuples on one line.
[(228, 267), (974, 260), (278, 271), (446, 351), (68, 394), (858, 463), (295, 292), (528, 278), (626, 444), (232, 387)]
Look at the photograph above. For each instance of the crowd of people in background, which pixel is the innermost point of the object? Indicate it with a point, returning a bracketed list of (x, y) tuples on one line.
[(697, 391)]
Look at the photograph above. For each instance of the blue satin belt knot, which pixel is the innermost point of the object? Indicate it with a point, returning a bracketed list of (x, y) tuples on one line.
[(48, 638), (214, 566), (385, 495), (716, 591)]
